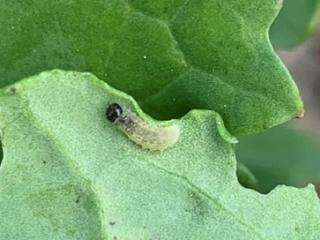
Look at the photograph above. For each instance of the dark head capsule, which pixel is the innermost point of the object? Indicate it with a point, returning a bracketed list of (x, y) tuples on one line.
[(114, 111)]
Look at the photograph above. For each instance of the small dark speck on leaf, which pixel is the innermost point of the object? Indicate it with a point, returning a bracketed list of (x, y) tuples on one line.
[(112, 223), (44, 162), (12, 90), (78, 199)]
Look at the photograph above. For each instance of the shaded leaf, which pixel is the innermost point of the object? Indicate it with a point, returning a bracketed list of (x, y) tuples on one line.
[(296, 21), (68, 173), (171, 55), (282, 155)]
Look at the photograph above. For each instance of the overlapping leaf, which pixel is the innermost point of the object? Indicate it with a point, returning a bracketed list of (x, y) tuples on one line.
[(171, 55)]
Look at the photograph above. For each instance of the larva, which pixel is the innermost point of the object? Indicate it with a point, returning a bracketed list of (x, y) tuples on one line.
[(149, 137)]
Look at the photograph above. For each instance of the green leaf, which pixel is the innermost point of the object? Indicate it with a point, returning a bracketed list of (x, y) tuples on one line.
[(68, 173), (170, 55), (282, 155), (296, 21)]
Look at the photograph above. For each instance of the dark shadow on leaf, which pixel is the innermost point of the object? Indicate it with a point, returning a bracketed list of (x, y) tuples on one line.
[(1, 153)]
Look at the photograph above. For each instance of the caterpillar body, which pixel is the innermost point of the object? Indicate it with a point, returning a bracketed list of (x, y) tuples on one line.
[(149, 137)]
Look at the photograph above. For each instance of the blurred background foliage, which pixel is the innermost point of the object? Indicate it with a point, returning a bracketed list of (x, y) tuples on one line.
[(281, 155), (296, 21), (290, 154)]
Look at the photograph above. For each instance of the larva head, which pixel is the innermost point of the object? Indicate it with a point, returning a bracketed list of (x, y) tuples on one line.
[(114, 111)]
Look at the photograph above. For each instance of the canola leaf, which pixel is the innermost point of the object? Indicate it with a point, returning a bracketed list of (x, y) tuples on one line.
[(170, 55), (297, 20), (68, 173)]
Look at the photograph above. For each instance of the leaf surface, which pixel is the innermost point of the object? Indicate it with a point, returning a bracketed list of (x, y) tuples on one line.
[(68, 173), (170, 55)]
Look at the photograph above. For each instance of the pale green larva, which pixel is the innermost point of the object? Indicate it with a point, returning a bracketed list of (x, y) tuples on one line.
[(149, 137)]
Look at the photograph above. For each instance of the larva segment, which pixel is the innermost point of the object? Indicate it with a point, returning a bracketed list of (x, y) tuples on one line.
[(149, 137)]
